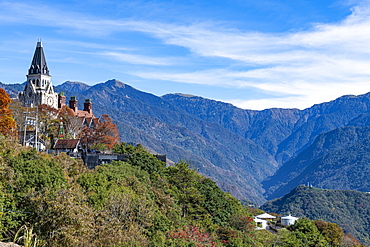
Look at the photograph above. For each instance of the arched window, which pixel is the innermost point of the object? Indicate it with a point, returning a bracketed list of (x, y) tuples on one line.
[(37, 83)]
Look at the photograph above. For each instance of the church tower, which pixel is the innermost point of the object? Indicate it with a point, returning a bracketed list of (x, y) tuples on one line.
[(39, 89)]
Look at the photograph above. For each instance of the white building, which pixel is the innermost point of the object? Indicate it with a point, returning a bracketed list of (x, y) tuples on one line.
[(39, 89), (288, 220), (261, 224), (262, 221)]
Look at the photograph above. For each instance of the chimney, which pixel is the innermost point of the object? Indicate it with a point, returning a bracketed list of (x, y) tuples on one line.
[(73, 104), (61, 100), (88, 106)]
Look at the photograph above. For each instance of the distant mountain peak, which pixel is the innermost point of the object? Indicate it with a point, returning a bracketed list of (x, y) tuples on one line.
[(73, 86), (115, 83), (74, 83), (183, 95)]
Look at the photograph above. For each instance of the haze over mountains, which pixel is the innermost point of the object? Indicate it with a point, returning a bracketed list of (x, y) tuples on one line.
[(242, 149)]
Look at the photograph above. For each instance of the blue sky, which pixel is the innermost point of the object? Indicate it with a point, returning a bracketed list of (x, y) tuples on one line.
[(253, 54)]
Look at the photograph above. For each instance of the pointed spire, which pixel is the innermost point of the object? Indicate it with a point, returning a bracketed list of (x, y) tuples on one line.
[(38, 65)]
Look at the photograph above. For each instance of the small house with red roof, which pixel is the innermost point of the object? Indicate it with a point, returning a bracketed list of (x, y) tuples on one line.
[(69, 146)]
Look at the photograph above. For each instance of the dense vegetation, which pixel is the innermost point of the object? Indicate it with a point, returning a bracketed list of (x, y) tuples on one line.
[(55, 201), (238, 149), (349, 209)]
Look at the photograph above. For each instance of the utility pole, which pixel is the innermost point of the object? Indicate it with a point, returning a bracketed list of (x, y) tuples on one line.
[(31, 121)]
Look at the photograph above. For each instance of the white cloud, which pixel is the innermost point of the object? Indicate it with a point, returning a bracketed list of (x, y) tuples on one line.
[(137, 59), (297, 69), (307, 67), (313, 95)]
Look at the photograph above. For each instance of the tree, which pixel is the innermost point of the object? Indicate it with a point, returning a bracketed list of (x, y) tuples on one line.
[(306, 231), (7, 123), (18, 111), (191, 236), (331, 232), (349, 240), (49, 121), (104, 132), (184, 182)]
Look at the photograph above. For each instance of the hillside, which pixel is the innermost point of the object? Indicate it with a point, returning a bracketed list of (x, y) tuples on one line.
[(54, 200), (239, 149), (133, 203), (349, 209), (336, 160)]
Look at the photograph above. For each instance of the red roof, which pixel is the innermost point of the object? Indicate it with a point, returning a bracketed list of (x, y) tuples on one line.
[(84, 114)]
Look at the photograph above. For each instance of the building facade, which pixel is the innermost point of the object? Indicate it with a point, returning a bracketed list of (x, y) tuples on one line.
[(39, 89)]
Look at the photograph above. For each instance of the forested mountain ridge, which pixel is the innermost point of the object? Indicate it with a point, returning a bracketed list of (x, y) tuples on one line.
[(349, 209), (336, 160), (285, 131), (266, 128), (12, 89), (322, 118), (238, 148)]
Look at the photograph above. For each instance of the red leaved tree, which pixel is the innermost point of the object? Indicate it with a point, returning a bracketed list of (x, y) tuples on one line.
[(104, 132), (193, 235)]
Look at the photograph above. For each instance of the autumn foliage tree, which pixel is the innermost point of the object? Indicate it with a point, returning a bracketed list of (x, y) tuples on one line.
[(104, 132), (191, 236), (7, 123)]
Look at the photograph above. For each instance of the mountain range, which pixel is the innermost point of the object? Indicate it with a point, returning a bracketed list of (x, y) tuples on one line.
[(338, 159), (254, 155)]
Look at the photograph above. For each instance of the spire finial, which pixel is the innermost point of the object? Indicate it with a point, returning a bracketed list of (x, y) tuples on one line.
[(39, 42)]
